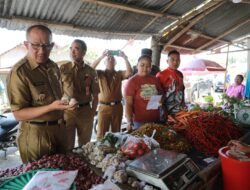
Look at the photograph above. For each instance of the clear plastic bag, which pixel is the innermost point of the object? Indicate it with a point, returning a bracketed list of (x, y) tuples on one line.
[(134, 147)]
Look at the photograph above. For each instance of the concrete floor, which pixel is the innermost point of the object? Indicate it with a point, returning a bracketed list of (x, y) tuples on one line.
[(12, 160)]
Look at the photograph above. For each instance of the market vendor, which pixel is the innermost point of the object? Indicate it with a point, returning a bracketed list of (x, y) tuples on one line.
[(236, 145), (138, 92), (79, 82), (172, 82), (110, 109), (236, 90), (34, 92)]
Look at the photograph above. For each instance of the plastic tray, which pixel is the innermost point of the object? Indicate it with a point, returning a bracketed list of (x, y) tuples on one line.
[(19, 182)]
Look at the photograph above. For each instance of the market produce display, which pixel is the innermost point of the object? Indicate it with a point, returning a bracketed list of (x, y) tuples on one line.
[(166, 137), (84, 180), (134, 147), (206, 131)]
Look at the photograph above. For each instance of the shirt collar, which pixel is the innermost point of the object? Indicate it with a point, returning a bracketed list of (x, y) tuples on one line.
[(80, 64), (33, 64)]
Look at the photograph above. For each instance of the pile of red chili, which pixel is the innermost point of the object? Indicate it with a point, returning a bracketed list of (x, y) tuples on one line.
[(210, 131)]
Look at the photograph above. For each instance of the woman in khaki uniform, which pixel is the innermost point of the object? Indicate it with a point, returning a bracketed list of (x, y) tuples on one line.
[(110, 108), (79, 82), (34, 93)]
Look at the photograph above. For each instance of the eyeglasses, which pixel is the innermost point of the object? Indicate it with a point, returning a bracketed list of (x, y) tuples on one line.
[(43, 46)]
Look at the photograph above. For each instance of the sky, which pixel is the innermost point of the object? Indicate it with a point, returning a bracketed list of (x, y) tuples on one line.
[(10, 38)]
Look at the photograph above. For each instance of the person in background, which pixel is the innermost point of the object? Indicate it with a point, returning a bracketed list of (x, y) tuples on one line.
[(172, 82), (138, 92), (34, 92), (247, 88), (154, 69), (236, 145), (79, 82), (110, 110), (236, 90)]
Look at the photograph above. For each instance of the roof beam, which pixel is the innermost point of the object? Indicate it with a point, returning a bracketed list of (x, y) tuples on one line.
[(70, 27), (180, 47), (193, 22), (207, 36), (188, 16), (162, 11), (222, 35), (125, 7)]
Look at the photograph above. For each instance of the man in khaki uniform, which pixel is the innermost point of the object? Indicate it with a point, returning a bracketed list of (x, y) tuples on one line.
[(79, 82), (110, 108), (34, 93)]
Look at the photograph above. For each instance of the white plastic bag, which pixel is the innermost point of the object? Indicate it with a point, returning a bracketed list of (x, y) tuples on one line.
[(51, 180), (108, 185)]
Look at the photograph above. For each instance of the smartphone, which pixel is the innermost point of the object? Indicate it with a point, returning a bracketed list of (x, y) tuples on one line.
[(114, 52)]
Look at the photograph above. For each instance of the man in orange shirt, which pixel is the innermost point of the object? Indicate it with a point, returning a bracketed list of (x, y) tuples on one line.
[(172, 82)]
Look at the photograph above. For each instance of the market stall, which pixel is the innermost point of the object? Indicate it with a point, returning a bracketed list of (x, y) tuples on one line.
[(180, 155)]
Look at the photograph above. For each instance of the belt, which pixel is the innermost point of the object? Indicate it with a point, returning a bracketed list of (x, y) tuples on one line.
[(46, 122), (83, 104), (110, 103)]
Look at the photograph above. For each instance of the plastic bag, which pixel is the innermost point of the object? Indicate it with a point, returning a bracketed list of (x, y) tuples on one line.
[(150, 141), (108, 185), (134, 147), (51, 180), (109, 172)]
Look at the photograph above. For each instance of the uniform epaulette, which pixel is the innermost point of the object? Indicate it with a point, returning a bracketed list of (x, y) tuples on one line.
[(19, 64), (61, 63)]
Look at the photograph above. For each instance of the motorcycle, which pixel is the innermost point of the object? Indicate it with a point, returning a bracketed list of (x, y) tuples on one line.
[(8, 131)]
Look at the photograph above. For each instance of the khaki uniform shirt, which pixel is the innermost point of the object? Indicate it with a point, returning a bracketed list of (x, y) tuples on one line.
[(32, 85), (110, 85), (79, 81)]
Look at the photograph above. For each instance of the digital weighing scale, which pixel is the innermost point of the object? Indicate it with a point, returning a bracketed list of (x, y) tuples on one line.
[(164, 169), (243, 114)]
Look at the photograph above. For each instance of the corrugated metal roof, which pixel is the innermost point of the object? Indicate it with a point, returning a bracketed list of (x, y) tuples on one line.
[(224, 18), (183, 6), (91, 19)]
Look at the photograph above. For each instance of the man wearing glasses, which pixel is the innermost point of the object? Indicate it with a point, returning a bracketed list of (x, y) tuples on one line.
[(34, 92)]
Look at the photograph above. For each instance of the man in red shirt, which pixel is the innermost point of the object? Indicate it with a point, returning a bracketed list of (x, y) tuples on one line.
[(172, 82)]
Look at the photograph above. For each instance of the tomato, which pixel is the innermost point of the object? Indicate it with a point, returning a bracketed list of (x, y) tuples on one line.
[(140, 152), (132, 154), (144, 146), (136, 147), (129, 145)]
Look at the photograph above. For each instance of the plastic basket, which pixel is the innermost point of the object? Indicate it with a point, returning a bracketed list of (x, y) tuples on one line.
[(235, 173), (19, 182)]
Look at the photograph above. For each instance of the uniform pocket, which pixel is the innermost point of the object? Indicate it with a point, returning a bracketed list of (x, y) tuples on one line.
[(40, 93)]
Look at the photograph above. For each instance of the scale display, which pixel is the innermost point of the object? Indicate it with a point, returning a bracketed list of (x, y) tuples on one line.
[(164, 169), (243, 116)]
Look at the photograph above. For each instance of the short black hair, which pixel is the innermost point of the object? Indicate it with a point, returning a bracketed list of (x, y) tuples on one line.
[(40, 27), (173, 52), (81, 43), (144, 57), (241, 76)]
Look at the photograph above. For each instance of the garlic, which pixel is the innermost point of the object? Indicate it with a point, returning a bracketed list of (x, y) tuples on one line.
[(65, 99), (72, 102)]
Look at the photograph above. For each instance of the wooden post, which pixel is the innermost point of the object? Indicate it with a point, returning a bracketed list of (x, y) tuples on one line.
[(156, 51), (224, 90), (248, 54)]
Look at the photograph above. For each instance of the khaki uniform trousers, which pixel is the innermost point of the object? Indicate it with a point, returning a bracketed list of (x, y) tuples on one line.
[(81, 120), (109, 115), (35, 141)]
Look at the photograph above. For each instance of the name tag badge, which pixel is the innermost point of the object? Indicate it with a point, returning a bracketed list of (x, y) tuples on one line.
[(41, 97)]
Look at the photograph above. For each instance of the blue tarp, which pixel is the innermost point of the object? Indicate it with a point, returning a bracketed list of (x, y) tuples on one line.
[(247, 88)]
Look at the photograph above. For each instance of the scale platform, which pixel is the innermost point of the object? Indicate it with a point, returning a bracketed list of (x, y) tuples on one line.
[(164, 169)]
